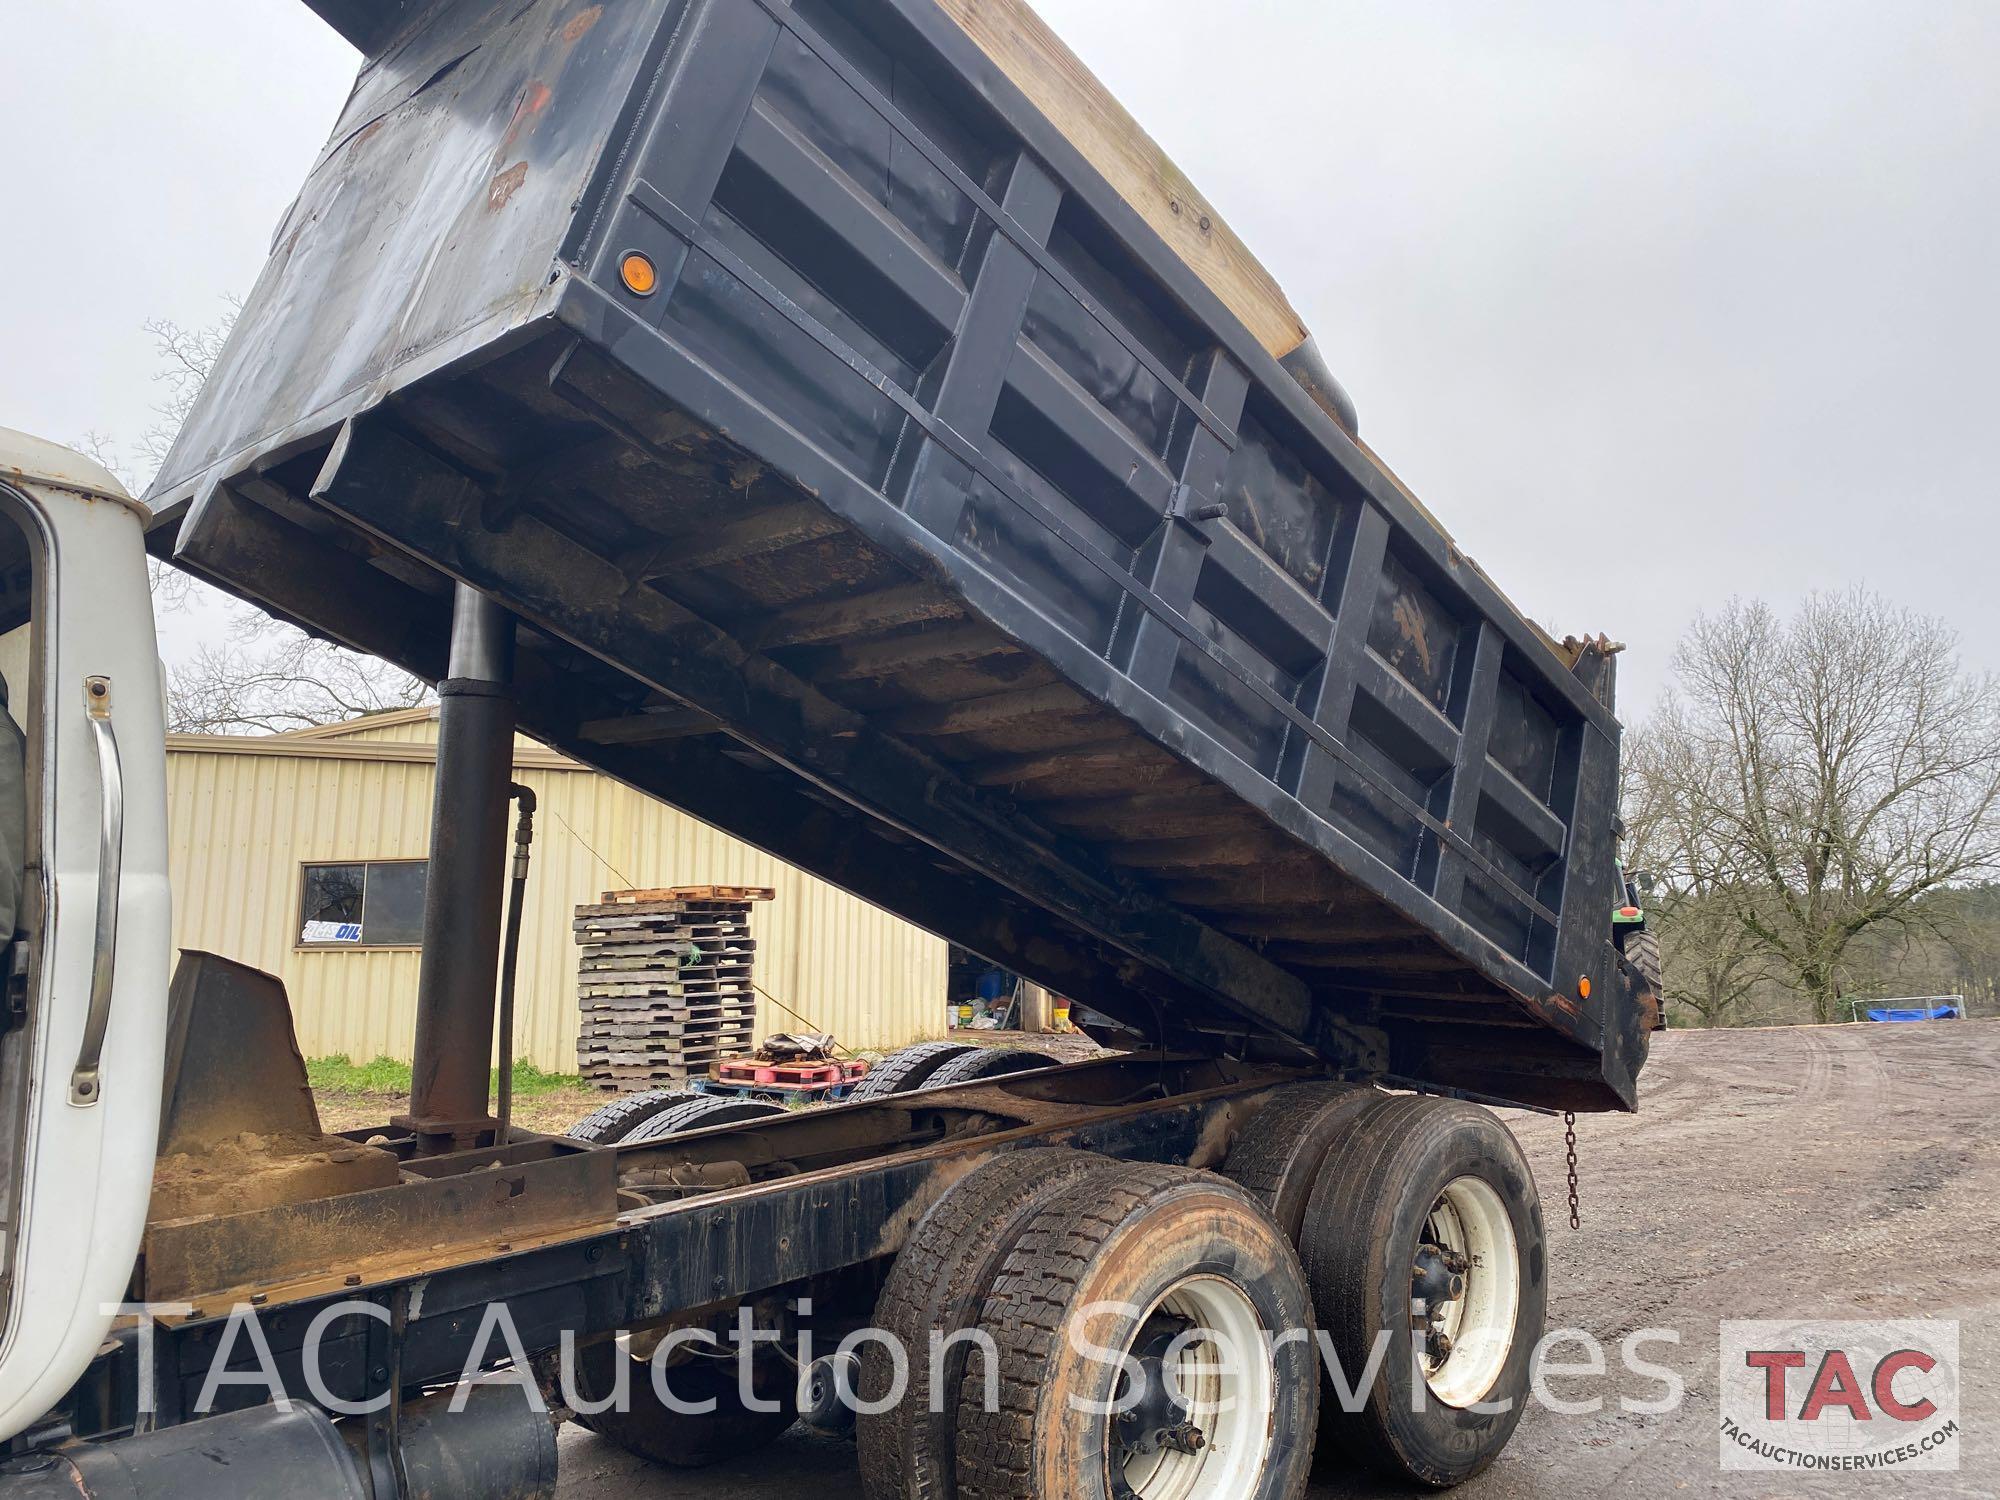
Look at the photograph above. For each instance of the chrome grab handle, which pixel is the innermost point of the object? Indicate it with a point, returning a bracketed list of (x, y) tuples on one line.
[(84, 1084)]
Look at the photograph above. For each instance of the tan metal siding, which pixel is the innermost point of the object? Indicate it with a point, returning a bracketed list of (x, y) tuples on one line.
[(403, 727), (243, 823), (402, 732)]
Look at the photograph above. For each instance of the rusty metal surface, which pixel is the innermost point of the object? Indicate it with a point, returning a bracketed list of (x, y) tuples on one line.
[(464, 1211), (238, 1127), (233, 1063), (531, 1192), (842, 1189)]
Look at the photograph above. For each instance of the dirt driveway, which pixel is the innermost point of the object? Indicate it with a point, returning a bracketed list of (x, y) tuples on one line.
[(1807, 1172)]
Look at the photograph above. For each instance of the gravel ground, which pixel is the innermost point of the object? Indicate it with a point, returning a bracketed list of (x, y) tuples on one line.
[(1803, 1172)]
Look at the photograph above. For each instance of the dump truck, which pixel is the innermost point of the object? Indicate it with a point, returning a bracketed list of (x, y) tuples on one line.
[(839, 420)]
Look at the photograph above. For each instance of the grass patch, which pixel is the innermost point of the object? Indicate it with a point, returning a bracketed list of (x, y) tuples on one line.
[(342, 1075)]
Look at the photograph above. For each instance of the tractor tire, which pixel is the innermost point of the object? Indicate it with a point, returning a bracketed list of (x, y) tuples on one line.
[(908, 1070), (1642, 952), (934, 1291), (1428, 1200), (1134, 1264)]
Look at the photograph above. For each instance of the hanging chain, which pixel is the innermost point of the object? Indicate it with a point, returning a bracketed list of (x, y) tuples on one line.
[(1569, 1144)]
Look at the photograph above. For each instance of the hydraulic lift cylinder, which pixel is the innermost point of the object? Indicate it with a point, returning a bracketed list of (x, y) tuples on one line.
[(456, 983)]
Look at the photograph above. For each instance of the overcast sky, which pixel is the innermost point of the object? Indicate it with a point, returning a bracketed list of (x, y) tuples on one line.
[(1655, 304)]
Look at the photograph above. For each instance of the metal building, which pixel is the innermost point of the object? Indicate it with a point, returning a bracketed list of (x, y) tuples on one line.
[(302, 854)]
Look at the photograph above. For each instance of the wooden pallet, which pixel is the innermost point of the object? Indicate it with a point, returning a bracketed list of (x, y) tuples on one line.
[(791, 1075), (664, 983), (653, 1046), (663, 996), (600, 969), (675, 1001), (723, 1042), (644, 1052), (636, 1023), (664, 1015), (669, 1007), (687, 931), (693, 893), (621, 960)]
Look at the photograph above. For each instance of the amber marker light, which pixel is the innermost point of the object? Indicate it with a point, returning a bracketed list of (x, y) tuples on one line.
[(1583, 986), (639, 274)]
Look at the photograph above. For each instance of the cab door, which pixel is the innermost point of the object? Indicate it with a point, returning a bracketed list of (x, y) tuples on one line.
[(84, 914)]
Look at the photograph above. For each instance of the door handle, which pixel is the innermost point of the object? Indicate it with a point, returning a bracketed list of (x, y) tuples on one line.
[(85, 1086)]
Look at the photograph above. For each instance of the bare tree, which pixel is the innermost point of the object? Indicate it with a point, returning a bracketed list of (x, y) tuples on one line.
[(1817, 778), (1711, 962), (294, 682), (186, 357), (267, 677)]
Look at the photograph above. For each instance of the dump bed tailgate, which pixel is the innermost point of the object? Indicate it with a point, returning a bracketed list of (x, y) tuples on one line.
[(875, 482)]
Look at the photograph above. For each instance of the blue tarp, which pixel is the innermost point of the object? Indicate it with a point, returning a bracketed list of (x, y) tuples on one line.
[(1923, 1013)]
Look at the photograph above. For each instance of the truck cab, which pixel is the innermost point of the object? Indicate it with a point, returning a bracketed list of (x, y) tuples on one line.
[(84, 899)]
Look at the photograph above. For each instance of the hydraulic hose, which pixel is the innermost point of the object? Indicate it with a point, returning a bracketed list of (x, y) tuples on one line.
[(510, 955)]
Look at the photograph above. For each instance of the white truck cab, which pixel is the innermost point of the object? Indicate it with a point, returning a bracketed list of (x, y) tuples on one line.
[(85, 907)]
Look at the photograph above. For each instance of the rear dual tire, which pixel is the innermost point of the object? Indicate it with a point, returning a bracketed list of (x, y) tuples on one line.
[(1372, 1186), (1421, 1182), (935, 1292), (1276, 1157), (1139, 1322), (1020, 1256), (943, 1065), (661, 1113)]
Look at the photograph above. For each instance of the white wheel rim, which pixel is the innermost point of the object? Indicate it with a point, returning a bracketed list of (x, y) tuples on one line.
[(1227, 1376), (1470, 1220)]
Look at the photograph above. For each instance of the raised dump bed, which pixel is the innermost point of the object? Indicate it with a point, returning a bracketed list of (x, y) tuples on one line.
[(876, 482)]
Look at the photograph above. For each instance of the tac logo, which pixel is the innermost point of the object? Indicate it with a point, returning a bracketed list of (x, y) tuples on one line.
[(1840, 1397)]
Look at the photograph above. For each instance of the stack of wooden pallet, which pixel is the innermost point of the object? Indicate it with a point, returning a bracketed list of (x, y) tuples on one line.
[(665, 983)]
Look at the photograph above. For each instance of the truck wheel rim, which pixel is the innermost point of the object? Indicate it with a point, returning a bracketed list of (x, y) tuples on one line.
[(1470, 1226), (1221, 1374)]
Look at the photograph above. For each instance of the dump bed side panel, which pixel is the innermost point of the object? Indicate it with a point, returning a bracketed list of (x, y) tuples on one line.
[(922, 518), (963, 328), (431, 220)]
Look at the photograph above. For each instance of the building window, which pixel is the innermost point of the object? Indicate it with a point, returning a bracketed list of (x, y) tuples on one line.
[(366, 904)]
